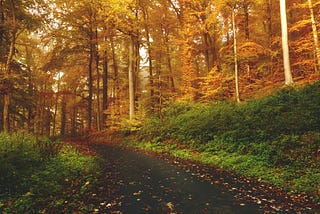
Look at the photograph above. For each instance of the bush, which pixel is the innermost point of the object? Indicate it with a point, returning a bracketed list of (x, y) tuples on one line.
[(37, 174), (274, 127), (18, 154)]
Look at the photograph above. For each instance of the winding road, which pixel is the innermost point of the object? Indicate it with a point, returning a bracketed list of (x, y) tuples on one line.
[(147, 184)]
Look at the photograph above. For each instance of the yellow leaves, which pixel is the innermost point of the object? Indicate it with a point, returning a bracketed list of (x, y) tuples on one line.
[(216, 85), (170, 206), (300, 25), (122, 13), (251, 50)]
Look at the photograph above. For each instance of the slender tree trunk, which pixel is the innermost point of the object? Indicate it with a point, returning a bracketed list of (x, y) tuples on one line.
[(171, 80), (56, 107), (150, 57), (150, 63), (6, 100), (131, 79), (6, 103), (116, 85), (63, 115), (30, 113), (285, 46), (269, 30), (315, 36), (159, 90), (246, 22), (42, 114), (235, 55), (105, 85), (207, 50), (90, 82), (2, 21), (74, 114), (247, 31), (99, 111)]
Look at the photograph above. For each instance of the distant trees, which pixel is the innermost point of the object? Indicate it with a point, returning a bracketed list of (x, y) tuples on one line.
[(97, 64)]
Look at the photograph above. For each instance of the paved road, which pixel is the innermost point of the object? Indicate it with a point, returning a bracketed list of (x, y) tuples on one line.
[(146, 184)]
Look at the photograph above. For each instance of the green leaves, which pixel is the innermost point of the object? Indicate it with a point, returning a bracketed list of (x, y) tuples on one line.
[(280, 132), (39, 174)]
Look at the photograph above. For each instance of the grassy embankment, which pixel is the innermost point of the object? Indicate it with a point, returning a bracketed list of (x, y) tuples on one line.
[(275, 138), (42, 176)]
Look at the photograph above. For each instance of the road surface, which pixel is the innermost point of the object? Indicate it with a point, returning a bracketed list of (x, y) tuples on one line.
[(147, 184)]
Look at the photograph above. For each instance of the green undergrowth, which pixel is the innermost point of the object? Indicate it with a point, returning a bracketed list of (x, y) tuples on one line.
[(275, 138), (38, 175)]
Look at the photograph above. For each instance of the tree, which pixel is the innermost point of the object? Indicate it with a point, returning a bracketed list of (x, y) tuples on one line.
[(16, 17), (285, 46), (235, 55), (315, 36)]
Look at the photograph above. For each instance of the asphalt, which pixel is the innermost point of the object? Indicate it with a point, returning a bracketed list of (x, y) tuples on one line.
[(142, 183)]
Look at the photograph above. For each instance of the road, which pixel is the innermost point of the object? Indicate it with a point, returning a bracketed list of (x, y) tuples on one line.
[(147, 184)]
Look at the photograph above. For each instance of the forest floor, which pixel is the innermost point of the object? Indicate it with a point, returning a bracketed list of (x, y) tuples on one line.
[(139, 181)]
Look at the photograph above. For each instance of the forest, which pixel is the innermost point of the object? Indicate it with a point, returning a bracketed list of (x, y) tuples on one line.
[(229, 83), (69, 68)]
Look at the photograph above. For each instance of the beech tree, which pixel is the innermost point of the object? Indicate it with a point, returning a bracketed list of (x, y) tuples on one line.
[(285, 46), (315, 35), (120, 60)]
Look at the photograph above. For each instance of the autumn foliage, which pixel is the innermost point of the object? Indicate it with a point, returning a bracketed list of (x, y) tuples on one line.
[(65, 65)]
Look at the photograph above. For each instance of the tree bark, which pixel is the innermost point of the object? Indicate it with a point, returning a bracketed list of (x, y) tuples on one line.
[(116, 84), (169, 64), (315, 36), (246, 19), (269, 31), (285, 46), (235, 55), (90, 81), (99, 125), (56, 106), (74, 114), (63, 115), (6, 99), (131, 79), (105, 85), (149, 57)]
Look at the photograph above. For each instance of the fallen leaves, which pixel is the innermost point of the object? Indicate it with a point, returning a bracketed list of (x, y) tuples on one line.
[(246, 191)]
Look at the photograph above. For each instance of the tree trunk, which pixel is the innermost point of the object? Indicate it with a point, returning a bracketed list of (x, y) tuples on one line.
[(8, 85), (56, 107), (105, 85), (116, 85), (150, 57), (169, 64), (207, 48), (74, 114), (246, 19), (6, 103), (99, 125), (131, 79), (269, 31), (235, 55), (31, 108), (315, 36), (63, 115), (285, 46), (90, 83)]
